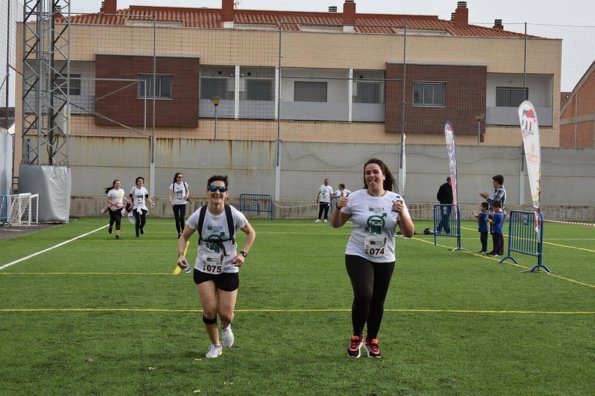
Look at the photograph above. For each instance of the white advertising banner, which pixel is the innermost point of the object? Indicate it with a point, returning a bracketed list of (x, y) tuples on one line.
[(531, 143), (449, 135)]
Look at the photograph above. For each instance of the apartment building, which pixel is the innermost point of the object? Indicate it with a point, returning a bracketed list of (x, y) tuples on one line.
[(311, 76)]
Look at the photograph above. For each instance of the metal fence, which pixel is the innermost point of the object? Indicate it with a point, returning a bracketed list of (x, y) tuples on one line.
[(280, 86), (525, 236)]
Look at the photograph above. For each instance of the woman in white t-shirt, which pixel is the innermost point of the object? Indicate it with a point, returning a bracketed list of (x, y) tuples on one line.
[(216, 270), (178, 198), (116, 202), (370, 253), (342, 191), (140, 196)]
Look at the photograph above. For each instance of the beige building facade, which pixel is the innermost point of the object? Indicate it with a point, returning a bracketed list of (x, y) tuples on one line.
[(308, 78)]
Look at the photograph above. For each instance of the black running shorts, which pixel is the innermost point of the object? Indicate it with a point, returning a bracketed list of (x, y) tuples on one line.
[(226, 281)]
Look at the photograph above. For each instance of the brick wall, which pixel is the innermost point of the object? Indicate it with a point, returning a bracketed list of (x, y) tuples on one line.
[(577, 121), (118, 101), (465, 96)]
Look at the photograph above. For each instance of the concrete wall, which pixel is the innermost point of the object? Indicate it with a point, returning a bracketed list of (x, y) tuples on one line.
[(568, 175)]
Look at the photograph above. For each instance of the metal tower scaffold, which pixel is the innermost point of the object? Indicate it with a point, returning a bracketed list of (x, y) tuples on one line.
[(46, 82)]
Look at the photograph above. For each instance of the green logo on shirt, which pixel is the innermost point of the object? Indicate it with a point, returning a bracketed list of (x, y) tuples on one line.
[(375, 224)]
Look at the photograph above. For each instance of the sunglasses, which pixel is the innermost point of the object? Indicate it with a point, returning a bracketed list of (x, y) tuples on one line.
[(217, 188)]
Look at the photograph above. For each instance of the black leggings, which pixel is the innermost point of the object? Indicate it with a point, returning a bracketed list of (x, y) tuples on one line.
[(370, 283), (179, 215), (115, 216), (141, 219)]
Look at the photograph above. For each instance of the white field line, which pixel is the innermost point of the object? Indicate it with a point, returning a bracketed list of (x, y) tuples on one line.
[(49, 249)]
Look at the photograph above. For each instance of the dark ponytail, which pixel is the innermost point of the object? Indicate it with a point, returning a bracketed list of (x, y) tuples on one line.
[(107, 189)]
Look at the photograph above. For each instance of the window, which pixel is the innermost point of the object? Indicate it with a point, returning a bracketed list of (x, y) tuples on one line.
[(511, 96), (75, 84), (367, 92), (259, 89), (163, 86), (211, 87), (429, 93), (310, 91)]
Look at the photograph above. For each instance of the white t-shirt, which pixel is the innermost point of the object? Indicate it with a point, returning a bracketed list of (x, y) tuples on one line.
[(210, 257), (343, 193), (374, 222), (139, 196), (324, 193), (117, 198), (179, 193)]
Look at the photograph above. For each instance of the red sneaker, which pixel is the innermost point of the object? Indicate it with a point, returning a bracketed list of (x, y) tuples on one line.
[(355, 346), (372, 348)]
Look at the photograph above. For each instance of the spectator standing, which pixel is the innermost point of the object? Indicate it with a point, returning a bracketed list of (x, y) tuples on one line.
[(342, 191), (444, 196), (323, 199), (482, 225), (499, 195), (497, 222)]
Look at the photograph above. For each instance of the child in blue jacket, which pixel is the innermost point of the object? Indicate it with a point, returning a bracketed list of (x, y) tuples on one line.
[(482, 226), (497, 221)]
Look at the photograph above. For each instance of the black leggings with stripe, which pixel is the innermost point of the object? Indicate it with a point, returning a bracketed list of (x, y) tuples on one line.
[(370, 283)]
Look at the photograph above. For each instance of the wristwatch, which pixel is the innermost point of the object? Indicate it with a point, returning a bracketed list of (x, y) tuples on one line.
[(243, 253)]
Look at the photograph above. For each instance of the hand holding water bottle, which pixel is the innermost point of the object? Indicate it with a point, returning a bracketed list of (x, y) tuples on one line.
[(397, 204), (183, 263)]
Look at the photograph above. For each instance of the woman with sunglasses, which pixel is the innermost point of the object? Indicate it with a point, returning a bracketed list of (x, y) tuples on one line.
[(216, 270), (178, 198), (375, 212)]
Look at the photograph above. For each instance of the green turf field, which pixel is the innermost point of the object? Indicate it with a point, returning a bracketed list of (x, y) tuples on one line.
[(100, 316)]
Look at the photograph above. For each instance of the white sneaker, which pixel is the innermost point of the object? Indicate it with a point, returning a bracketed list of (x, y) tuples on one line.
[(317, 221), (214, 351), (227, 337), (325, 221)]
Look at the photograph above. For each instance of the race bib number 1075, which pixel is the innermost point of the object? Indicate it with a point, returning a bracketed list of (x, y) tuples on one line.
[(212, 263)]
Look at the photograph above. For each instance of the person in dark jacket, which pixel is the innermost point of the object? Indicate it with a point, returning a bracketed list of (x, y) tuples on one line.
[(444, 196)]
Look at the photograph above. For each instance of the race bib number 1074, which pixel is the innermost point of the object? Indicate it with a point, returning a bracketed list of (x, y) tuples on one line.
[(375, 245)]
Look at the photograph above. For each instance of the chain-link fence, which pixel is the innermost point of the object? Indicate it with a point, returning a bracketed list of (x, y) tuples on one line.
[(244, 83), (160, 92)]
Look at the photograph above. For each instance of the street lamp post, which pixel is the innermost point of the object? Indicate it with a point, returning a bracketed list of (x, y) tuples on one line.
[(216, 100), (478, 118)]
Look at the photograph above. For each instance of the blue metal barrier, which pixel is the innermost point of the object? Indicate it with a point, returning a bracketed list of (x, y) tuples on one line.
[(256, 203), (447, 223), (524, 239)]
